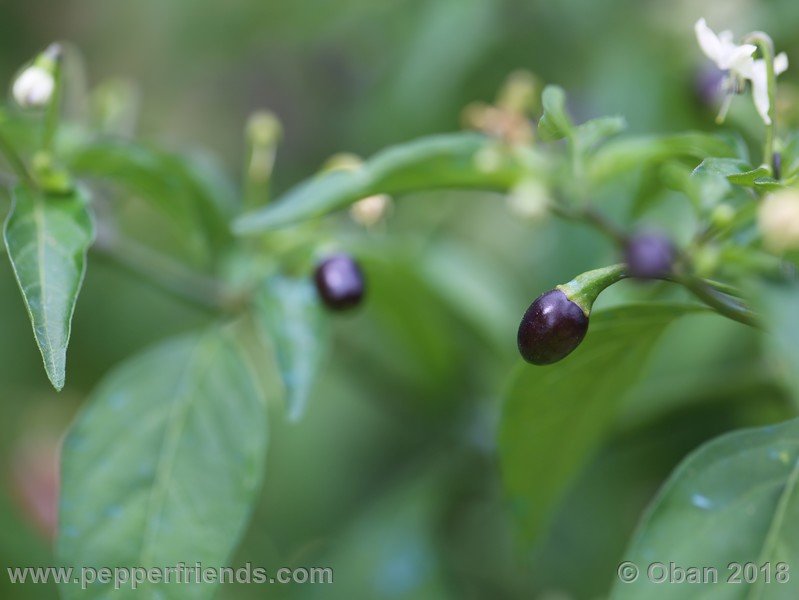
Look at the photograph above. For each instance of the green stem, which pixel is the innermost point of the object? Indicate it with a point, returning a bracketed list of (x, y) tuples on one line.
[(51, 118), (584, 289), (722, 303), (166, 274), (50, 60), (766, 46), (590, 216)]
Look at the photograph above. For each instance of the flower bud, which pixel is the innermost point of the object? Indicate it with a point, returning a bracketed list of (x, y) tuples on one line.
[(263, 134), (264, 129), (371, 210), (722, 215), (488, 159), (34, 87), (706, 260), (778, 219), (529, 199), (520, 93)]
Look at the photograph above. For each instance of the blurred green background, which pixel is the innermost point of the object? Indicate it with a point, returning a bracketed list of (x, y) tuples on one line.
[(392, 477)]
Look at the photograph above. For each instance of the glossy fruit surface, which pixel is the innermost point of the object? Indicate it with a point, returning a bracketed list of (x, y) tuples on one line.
[(649, 256), (340, 282), (552, 328)]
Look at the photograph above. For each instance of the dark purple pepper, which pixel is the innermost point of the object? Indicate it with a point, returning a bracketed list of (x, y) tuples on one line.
[(777, 165), (649, 256), (551, 328), (339, 282)]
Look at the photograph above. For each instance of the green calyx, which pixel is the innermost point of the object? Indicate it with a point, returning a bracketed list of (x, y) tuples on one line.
[(584, 289), (50, 58)]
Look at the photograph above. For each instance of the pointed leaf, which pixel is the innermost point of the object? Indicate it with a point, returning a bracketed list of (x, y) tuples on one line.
[(624, 154), (734, 500), (769, 184), (595, 131), (553, 417), (47, 237), (293, 320), (181, 188), (164, 463), (735, 170), (443, 161), (555, 123)]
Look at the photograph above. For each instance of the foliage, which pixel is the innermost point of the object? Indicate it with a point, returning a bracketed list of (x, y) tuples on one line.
[(475, 460)]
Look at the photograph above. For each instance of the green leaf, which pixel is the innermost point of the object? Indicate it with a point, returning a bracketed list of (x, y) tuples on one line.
[(733, 500), (622, 155), (473, 287), (47, 237), (777, 304), (750, 178), (164, 463), (444, 161), (597, 130), (735, 170), (183, 189), (394, 548), (292, 318), (769, 184), (554, 417), (555, 123)]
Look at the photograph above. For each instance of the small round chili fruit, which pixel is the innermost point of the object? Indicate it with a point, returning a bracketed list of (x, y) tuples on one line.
[(649, 256), (551, 328), (339, 282)]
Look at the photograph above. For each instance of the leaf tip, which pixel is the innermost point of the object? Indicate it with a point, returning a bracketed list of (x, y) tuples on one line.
[(57, 380), (296, 402)]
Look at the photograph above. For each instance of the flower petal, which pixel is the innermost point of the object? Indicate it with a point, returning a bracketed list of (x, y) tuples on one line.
[(33, 88), (760, 90), (708, 41), (738, 58), (780, 63)]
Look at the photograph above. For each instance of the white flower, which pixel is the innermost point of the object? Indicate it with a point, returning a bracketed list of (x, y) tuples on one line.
[(757, 74), (738, 62), (720, 48), (34, 87), (778, 219)]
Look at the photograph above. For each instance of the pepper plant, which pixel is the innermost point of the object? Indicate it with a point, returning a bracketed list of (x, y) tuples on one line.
[(163, 464)]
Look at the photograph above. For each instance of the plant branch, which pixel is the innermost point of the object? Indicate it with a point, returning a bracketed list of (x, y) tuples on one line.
[(55, 54), (590, 216), (722, 303), (165, 273)]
